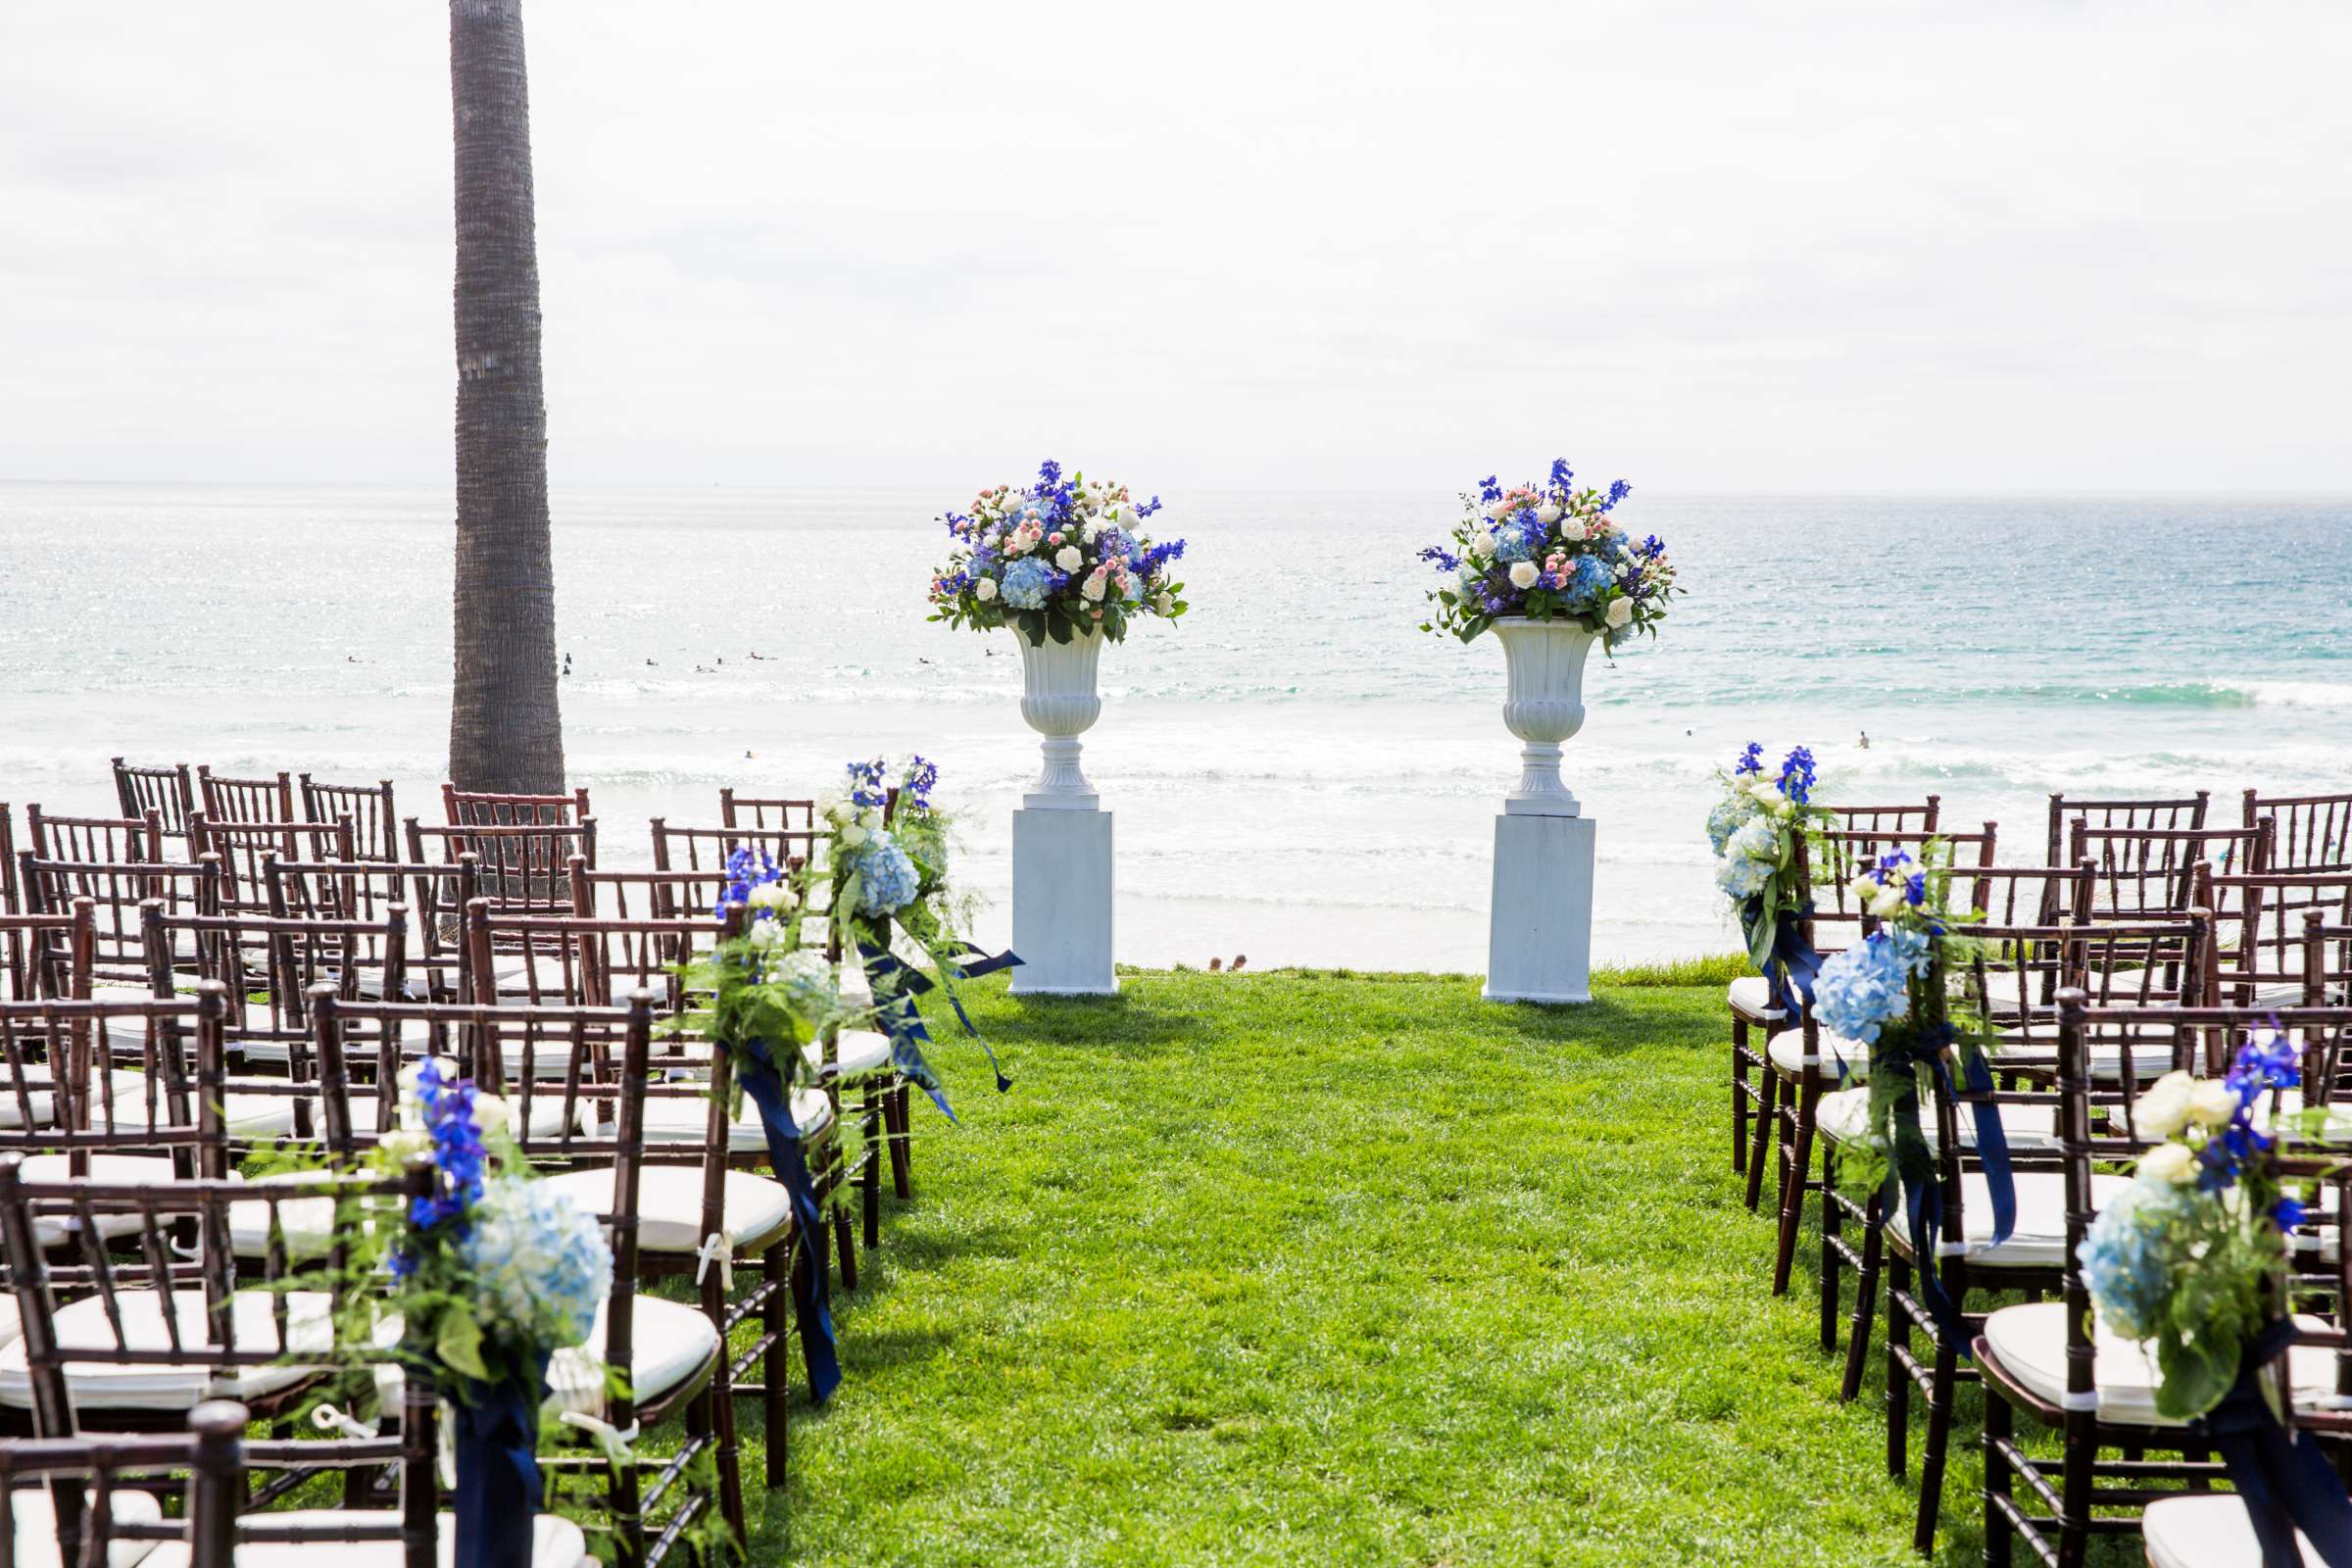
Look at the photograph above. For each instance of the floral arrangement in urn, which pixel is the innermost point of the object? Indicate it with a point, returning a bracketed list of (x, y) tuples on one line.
[(1057, 559), (1549, 551)]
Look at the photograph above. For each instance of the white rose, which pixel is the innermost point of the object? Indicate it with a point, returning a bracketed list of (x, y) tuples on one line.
[(1621, 613), (1092, 531), (2212, 1102), (765, 933), (2169, 1164), (984, 588), (1019, 542), (1547, 514), (1887, 901), (1524, 574), (768, 895), (1068, 559), (1482, 545), (852, 835), (2164, 1110), (489, 1111), (992, 541), (1500, 510), (1092, 588), (1165, 602)]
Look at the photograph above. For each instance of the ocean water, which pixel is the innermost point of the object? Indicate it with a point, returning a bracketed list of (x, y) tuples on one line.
[(1299, 772)]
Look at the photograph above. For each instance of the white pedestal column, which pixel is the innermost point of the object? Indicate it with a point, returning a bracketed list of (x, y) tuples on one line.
[(1539, 936), (1061, 903)]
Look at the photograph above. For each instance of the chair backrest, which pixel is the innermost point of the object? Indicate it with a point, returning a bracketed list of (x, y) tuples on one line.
[(2261, 918), (49, 955), (2156, 871), (1919, 819), (580, 959), (436, 897), (706, 848), (2326, 961), (107, 838), (166, 791), (370, 808), (2186, 811), (80, 1477), (1827, 861), (522, 866), (487, 809), (2314, 831), (243, 847), (59, 1079), (116, 892), (766, 811), (245, 800), (9, 900), (634, 895)]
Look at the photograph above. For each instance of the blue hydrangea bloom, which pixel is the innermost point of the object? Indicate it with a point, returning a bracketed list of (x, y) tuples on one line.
[(1728, 817), (540, 1264), (1511, 543), (1741, 878), (1589, 577), (1863, 988), (2128, 1257), (1025, 583), (887, 879)]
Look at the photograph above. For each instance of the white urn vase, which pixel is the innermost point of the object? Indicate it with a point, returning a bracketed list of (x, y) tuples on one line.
[(1059, 701), (1545, 661)]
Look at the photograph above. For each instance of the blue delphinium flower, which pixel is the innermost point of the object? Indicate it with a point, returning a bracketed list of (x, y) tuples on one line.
[(922, 777), (1863, 988), (1116, 542), (1561, 474), (2128, 1257), (1490, 490), (540, 1264), (1444, 560), (1750, 761), (1026, 582), (1618, 491), (887, 881), (866, 783), (1797, 776)]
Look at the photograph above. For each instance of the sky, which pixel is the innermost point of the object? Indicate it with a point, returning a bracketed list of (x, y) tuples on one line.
[(1732, 245)]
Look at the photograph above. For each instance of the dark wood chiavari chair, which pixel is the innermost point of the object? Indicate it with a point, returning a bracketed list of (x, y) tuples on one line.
[(487, 809), (2067, 815), (245, 800), (50, 957), (521, 865), (2326, 961), (108, 839), (2051, 1361), (1802, 1062), (436, 897), (242, 846), (1750, 996), (766, 811), (586, 1123), (116, 893), (2258, 960), (2314, 832), (2156, 871), (169, 791), (9, 898), (93, 1500), (370, 808)]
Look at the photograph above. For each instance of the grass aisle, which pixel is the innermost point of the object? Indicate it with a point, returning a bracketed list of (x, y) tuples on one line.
[(1296, 1268)]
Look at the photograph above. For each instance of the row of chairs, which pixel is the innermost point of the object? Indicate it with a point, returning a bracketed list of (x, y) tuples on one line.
[(2150, 941), (186, 992)]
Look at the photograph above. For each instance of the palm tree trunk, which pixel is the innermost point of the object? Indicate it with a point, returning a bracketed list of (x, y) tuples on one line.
[(506, 732)]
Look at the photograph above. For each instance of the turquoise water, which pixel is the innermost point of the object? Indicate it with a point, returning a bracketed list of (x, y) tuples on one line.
[(1299, 772)]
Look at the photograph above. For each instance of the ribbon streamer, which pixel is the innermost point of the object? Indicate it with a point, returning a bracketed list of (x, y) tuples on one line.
[(494, 1429), (2283, 1478), (1788, 963), (887, 971), (811, 1290)]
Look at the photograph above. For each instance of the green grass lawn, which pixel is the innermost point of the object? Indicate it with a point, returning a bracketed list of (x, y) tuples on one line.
[(1315, 1268)]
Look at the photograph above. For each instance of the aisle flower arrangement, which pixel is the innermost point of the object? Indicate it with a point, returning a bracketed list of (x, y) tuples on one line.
[(1549, 551), (1057, 559), (1753, 830), (2185, 1258), (885, 875)]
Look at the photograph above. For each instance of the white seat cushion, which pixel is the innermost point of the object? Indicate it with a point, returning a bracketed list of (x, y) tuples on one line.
[(36, 1528), (669, 1204), (555, 1542), (674, 1342), (856, 1052), (2029, 1344), (2210, 1531), (1751, 996), (12, 1323), (130, 1089), (2038, 1240), (99, 1386), (124, 1170), (1788, 1052), (1846, 1113), (673, 1119)]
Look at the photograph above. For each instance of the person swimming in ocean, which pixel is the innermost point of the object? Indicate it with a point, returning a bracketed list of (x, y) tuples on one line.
[(1864, 743)]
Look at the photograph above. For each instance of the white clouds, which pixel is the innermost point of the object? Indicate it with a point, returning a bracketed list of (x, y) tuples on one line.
[(1812, 246)]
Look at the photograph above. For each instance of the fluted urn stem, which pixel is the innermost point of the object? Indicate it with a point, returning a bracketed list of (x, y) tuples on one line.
[(1059, 701), (1545, 662)]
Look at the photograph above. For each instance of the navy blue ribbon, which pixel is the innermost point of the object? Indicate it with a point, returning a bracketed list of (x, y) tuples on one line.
[(1794, 964), (1923, 1195), (495, 1430), (2285, 1479), (886, 971), (812, 1289)]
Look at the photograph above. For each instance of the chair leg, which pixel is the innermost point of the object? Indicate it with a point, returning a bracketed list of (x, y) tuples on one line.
[(897, 1108), (1833, 1265), (722, 1400), (1866, 1299), (1739, 1095), (2074, 1489), (1767, 1112), (775, 1322), (869, 1180), (1792, 1190), (1899, 1380), (1941, 1389), (1998, 1425), (845, 1246)]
